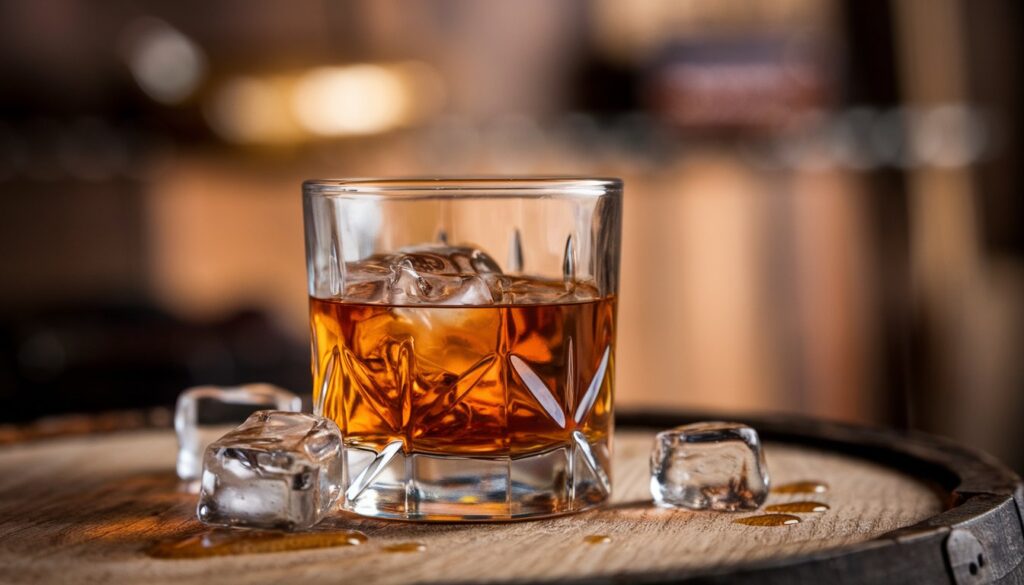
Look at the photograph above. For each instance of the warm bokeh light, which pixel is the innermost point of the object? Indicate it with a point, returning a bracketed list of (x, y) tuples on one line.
[(253, 110), (340, 101), (324, 102)]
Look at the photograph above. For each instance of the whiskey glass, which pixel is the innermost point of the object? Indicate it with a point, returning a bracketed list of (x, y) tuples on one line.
[(463, 338)]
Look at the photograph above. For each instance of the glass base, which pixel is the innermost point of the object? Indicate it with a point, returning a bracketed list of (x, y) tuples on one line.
[(420, 486)]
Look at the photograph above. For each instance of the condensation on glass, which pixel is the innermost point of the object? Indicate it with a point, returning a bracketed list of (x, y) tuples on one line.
[(463, 338)]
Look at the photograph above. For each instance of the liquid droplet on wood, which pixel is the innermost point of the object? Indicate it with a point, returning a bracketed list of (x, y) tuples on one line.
[(797, 507), (801, 487), (597, 539), (769, 520), (241, 542), (404, 547)]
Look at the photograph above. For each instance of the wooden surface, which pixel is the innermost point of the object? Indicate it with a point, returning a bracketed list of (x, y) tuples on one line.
[(85, 510)]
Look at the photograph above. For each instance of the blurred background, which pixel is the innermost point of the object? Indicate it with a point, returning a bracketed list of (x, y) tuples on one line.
[(823, 212)]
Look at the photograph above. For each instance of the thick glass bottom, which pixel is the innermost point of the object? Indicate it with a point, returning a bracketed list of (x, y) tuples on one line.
[(390, 483)]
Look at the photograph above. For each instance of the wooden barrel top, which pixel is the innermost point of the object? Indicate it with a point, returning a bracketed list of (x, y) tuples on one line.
[(95, 508)]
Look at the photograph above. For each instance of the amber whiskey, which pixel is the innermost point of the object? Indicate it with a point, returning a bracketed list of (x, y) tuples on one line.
[(520, 391)]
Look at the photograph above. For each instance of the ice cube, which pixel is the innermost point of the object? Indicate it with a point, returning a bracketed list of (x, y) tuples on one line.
[(445, 259), (442, 274), (204, 413), (436, 274), (277, 470), (709, 466), (530, 290)]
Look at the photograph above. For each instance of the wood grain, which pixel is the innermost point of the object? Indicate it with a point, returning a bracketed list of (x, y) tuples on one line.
[(84, 510)]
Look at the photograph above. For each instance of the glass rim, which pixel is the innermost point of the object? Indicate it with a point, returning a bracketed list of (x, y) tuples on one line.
[(464, 187)]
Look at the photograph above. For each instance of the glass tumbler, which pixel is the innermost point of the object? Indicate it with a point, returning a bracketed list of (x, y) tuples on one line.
[(463, 338)]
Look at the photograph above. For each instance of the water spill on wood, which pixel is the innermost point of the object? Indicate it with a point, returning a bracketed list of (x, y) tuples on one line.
[(769, 520), (801, 487), (797, 507), (242, 542)]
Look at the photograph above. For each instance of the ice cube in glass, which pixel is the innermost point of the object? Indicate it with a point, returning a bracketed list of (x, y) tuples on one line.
[(424, 274)]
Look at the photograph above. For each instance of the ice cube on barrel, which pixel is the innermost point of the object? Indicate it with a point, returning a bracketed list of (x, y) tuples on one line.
[(278, 470), (709, 466), (204, 413)]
